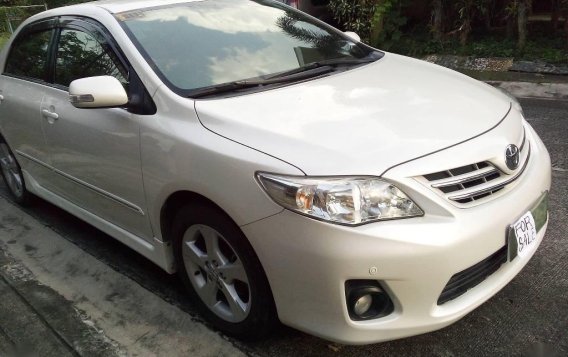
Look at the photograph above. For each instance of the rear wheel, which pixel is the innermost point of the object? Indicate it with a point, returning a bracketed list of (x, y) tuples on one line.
[(222, 274), (12, 174)]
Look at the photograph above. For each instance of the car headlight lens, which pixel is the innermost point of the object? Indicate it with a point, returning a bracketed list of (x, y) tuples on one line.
[(342, 200)]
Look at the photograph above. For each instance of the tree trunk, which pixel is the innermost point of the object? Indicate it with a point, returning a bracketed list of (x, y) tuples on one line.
[(438, 19), (511, 24), (465, 31), (566, 27), (488, 14), (522, 22), (555, 18)]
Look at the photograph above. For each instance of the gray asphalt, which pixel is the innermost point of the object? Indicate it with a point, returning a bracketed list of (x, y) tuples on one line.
[(528, 317)]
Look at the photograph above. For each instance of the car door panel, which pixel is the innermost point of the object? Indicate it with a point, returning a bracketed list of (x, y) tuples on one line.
[(22, 83), (20, 124), (96, 160), (95, 153)]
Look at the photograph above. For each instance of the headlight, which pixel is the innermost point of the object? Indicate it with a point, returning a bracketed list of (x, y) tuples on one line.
[(342, 200)]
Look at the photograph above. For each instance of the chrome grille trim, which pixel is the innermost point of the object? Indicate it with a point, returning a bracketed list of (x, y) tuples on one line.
[(468, 184), (524, 140), (482, 173), (490, 187)]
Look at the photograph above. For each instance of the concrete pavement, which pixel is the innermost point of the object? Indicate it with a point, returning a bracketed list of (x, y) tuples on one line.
[(56, 300), (556, 91), (522, 79)]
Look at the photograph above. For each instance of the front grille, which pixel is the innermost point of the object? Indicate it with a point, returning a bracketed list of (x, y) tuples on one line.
[(466, 177), (470, 183), (461, 282)]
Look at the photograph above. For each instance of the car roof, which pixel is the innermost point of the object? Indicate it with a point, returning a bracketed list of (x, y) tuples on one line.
[(117, 6)]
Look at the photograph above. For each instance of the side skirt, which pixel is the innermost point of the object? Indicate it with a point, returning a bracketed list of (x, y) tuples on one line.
[(159, 253)]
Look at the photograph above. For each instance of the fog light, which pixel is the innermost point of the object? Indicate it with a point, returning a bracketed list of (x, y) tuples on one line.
[(363, 304), (367, 300)]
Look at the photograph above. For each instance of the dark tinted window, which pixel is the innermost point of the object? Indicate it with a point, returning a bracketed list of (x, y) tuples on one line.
[(29, 54), (203, 43), (80, 55)]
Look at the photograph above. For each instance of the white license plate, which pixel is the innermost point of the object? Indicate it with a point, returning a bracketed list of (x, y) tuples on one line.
[(525, 234)]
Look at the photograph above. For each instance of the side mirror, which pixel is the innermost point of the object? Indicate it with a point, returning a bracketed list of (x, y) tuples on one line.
[(353, 36), (97, 92)]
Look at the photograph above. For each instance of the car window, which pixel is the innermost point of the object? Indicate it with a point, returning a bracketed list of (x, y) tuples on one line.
[(29, 55), (80, 55), (205, 43)]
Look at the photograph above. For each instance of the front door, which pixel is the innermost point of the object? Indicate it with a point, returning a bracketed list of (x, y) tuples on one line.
[(95, 153), (22, 85)]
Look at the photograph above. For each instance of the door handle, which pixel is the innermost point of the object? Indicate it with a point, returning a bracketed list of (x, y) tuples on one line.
[(51, 115)]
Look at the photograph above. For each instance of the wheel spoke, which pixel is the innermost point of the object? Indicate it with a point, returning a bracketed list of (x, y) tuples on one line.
[(234, 271), (17, 183), (212, 244), (237, 306), (216, 273), (11, 171), (208, 293), (4, 151), (194, 254)]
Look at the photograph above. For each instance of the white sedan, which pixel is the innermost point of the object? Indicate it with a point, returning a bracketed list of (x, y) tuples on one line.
[(285, 170)]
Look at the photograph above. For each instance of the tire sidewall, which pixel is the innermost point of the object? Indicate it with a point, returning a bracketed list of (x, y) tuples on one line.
[(261, 317), (22, 199)]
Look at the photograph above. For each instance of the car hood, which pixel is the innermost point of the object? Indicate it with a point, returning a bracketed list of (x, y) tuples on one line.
[(362, 121)]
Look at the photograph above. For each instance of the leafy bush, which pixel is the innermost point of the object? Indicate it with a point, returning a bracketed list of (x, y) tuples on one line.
[(357, 16), (378, 22), (3, 38), (541, 45)]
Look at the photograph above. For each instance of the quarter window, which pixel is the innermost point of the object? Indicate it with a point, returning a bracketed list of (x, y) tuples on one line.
[(80, 55), (29, 55)]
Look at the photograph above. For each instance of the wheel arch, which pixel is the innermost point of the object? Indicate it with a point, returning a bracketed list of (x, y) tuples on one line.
[(174, 202), (179, 199)]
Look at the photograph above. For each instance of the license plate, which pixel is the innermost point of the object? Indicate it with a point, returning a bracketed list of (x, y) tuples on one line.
[(522, 235), (525, 234)]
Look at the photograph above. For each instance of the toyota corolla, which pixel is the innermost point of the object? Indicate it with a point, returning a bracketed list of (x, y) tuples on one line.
[(283, 169)]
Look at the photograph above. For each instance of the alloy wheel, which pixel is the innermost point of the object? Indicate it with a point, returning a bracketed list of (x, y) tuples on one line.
[(11, 171), (216, 273)]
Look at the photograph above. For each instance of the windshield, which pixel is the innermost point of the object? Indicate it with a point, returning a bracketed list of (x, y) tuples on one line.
[(205, 43)]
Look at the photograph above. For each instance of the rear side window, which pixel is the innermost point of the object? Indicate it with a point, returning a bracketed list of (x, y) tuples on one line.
[(29, 55), (81, 54)]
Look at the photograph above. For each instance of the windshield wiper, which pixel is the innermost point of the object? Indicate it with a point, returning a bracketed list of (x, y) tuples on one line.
[(251, 83), (310, 70), (325, 63)]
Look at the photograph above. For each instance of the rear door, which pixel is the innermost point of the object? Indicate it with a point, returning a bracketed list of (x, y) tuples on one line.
[(22, 85), (95, 153)]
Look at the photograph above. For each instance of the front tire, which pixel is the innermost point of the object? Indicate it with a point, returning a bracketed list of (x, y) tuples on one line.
[(12, 174), (222, 274)]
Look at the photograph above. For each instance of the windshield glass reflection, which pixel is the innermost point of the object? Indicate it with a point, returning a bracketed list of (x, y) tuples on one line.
[(204, 43)]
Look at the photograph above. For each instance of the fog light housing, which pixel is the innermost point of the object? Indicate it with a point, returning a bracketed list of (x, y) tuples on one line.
[(367, 300), (363, 305)]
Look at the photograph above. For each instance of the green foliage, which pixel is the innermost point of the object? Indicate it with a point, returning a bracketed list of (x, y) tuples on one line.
[(378, 22), (468, 11), (9, 11), (58, 3), (541, 46), (357, 16), (389, 16), (3, 38)]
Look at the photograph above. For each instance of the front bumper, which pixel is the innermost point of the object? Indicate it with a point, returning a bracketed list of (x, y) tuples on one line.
[(307, 262)]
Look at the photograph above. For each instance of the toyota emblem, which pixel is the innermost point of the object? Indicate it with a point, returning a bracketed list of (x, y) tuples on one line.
[(512, 157)]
